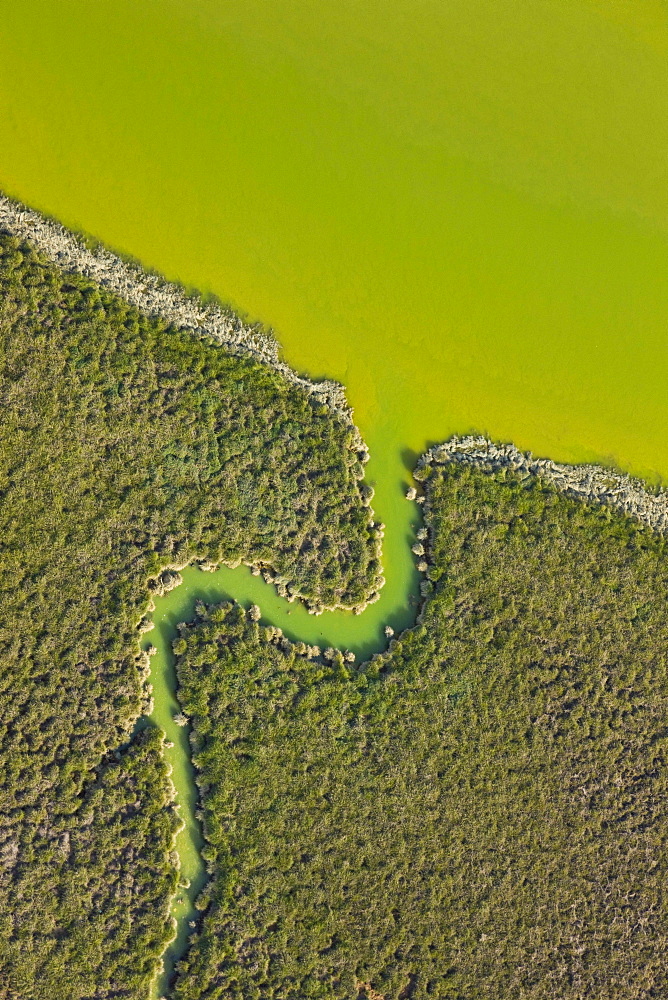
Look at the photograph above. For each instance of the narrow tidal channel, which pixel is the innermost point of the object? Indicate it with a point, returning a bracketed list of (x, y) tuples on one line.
[(189, 841), (363, 634)]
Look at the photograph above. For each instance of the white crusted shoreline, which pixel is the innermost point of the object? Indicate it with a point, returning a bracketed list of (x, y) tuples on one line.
[(152, 295), (156, 297), (592, 483)]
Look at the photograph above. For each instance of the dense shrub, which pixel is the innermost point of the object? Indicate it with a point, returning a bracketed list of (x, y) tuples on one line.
[(125, 447), (478, 813), (90, 913)]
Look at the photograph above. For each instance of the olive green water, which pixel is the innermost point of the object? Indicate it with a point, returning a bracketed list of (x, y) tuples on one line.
[(457, 207)]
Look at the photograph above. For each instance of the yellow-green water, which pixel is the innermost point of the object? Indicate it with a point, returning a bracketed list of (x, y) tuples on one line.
[(457, 207)]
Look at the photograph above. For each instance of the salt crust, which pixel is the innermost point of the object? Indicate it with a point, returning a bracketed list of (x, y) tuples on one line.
[(154, 296)]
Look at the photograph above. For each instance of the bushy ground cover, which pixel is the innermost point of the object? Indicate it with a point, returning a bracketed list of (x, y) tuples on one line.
[(480, 812), (125, 447)]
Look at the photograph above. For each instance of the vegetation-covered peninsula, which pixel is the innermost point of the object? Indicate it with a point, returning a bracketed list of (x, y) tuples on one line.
[(478, 812), (128, 446)]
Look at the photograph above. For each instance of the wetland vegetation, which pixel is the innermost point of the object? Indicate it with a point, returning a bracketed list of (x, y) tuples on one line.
[(477, 812), (128, 447), (460, 211)]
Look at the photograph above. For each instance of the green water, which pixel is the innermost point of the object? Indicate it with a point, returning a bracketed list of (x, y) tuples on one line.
[(362, 634), (459, 208)]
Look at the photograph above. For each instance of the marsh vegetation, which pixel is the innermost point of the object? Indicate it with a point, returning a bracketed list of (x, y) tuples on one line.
[(478, 812), (128, 448)]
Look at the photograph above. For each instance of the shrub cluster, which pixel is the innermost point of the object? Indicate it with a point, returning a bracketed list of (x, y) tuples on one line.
[(90, 914), (126, 447), (480, 811)]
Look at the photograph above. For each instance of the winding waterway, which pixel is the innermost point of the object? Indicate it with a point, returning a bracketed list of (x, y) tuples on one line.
[(362, 634), (458, 208), (586, 482)]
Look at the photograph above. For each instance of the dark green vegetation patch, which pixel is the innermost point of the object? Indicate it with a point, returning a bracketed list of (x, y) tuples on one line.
[(124, 447), (480, 812)]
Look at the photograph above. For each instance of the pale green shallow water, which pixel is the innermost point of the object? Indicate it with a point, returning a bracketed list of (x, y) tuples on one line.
[(347, 631), (457, 207)]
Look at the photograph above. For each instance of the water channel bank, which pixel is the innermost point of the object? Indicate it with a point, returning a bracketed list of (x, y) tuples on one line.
[(364, 635), (154, 296), (361, 634)]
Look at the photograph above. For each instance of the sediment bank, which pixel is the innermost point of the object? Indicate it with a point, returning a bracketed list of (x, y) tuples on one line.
[(591, 483), (155, 296)]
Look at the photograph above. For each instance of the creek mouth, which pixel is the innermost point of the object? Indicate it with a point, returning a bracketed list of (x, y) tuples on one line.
[(363, 635)]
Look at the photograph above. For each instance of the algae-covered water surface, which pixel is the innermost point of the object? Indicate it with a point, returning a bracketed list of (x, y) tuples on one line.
[(459, 208)]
